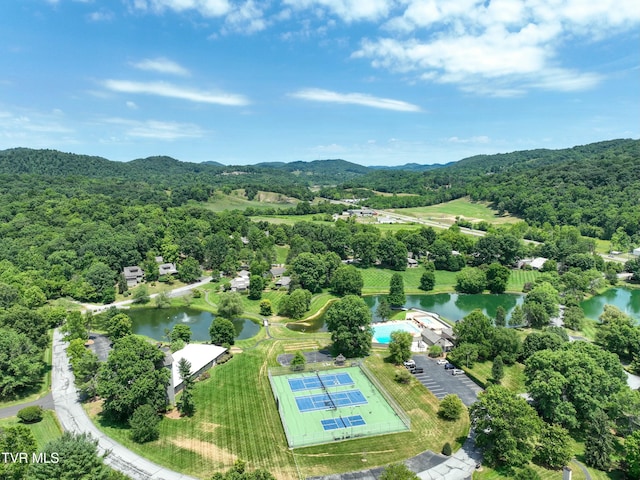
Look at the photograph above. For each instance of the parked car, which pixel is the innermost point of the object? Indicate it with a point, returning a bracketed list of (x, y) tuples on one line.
[(457, 371), (410, 363), (417, 370), (449, 366), (442, 361)]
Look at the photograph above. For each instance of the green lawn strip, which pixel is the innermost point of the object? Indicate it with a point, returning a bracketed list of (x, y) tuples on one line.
[(513, 375), (40, 390), (43, 431), (281, 253), (286, 219), (518, 278)]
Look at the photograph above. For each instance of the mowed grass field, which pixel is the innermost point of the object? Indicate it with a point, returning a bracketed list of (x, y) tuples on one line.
[(237, 418), (43, 431), (461, 207), (238, 201)]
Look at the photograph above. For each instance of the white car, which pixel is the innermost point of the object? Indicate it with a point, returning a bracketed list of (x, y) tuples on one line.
[(410, 363), (457, 371), (442, 361)]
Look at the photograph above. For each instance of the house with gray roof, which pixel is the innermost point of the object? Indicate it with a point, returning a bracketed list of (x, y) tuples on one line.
[(133, 275), (432, 337), (167, 269)]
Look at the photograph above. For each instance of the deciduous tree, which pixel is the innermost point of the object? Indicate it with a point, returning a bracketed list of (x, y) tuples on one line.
[(349, 321), (222, 331), (133, 375), (507, 427), (230, 305), (347, 280), (400, 346)]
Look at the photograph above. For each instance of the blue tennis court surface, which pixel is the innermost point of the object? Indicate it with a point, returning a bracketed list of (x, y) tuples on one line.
[(343, 422), (323, 401), (311, 383)]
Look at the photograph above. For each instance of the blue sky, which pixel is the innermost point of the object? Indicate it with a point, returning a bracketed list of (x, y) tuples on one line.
[(376, 82)]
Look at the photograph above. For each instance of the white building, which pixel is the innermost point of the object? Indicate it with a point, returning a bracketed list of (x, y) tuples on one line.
[(201, 357)]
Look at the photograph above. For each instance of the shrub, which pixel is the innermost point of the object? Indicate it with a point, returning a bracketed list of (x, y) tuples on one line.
[(205, 376), (30, 414), (435, 351), (403, 376), (451, 407), (144, 424), (446, 449)]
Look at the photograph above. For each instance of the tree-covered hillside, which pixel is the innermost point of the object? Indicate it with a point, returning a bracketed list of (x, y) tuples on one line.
[(595, 187)]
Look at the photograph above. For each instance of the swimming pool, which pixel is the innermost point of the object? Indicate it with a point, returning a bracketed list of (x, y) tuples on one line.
[(382, 331)]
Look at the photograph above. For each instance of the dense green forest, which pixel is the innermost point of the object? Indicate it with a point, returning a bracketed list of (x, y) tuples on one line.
[(594, 187)]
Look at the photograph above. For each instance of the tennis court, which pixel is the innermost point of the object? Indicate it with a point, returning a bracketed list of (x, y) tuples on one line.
[(338, 404), (343, 422), (323, 401), (316, 381)]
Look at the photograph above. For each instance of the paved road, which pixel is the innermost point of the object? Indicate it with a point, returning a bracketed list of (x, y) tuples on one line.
[(45, 402), (73, 418), (176, 292)]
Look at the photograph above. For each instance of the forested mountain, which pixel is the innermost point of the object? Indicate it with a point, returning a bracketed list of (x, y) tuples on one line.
[(412, 167), (595, 187)]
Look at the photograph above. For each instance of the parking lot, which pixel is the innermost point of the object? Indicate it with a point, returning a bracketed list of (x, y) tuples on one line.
[(440, 381)]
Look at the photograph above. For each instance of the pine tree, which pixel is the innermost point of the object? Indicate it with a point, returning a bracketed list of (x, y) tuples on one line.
[(186, 405), (396, 296), (598, 446), (497, 371)]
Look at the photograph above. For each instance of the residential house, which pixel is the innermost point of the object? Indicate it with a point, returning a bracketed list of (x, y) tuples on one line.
[(283, 282), (201, 357), (277, 271), (167, 269), (133, 275), (433, 337), (412, 263)]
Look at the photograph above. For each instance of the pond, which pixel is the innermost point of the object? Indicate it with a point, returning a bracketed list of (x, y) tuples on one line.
[(627, 300), (152, 323), (451, 306)]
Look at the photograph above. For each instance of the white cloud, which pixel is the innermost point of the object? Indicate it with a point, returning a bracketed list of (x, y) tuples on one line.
[(207, 8), (101, 16), (161, 65), (347, 10), (156, 129), (500, 47), (319, 95), (247, 18), (28, 128), (169, 90), (132, 105)]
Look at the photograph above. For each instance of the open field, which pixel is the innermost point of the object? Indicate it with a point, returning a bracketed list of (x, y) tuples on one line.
[(461, 207), (238, 201), (237, 418), (43, 431), (286, 219)]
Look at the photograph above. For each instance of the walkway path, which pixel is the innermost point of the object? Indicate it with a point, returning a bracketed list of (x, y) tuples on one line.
[(73, 418)]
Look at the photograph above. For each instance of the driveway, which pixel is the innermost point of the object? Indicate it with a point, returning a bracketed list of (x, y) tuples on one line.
[(73, 418), (45, 402), (441, 383)]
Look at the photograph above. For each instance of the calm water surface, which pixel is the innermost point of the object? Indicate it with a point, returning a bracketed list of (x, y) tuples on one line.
[(152, 322), (451, 306), (627, 300)]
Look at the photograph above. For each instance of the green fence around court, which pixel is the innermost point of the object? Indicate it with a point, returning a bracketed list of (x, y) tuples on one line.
[(381, 413)]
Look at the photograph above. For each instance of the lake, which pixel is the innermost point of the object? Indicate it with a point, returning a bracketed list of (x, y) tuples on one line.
[(152, 323), (452, 306), (627, 300)]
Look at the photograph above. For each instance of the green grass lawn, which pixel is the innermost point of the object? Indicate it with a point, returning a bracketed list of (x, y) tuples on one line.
[(44, 431), (236, 418), (238, 201), (286, 219), (461, 207), (513, 375), (518, 278)]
